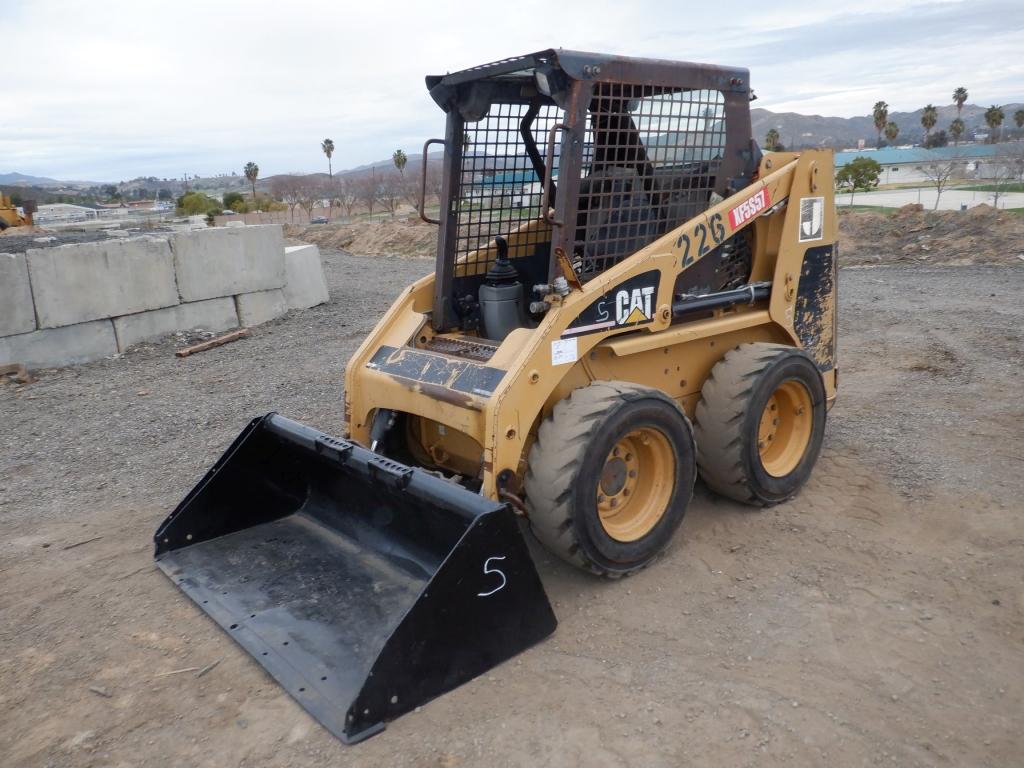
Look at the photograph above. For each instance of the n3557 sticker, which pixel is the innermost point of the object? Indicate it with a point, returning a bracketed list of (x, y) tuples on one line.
[(701, 239)]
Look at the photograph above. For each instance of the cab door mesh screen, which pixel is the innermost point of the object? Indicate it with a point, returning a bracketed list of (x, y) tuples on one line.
[(651, 161), (499, 191)]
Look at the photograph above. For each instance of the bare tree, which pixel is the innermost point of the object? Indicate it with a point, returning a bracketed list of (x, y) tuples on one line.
[(311, 193), (411, 191), (434, 180), (1009, 171), (940, 173), (1015, 160), (1005, 174), (346, 195), (366, 190), (389, 191), (289, 190)]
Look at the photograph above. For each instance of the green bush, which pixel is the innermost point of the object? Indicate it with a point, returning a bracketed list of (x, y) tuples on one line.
[(198, 203), (231, 199)]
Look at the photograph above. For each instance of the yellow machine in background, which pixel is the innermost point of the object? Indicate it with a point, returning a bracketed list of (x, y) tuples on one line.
[(12, 215)]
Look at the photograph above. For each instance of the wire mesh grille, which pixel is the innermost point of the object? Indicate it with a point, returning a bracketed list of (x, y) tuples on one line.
[(651, 161), (499, 189)]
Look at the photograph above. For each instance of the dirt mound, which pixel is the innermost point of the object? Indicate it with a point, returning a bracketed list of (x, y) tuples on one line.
[(406, 236), (979, 235), (29, 230), (909, 208)]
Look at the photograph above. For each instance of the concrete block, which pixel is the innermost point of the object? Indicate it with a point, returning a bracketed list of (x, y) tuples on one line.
[(52, 347), (226, 262), (259, 307), (17, 313), (210, 315), (88, 281), (305, 286)]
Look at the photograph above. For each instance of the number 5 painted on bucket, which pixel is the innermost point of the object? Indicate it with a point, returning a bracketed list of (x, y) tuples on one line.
[(488, 569)]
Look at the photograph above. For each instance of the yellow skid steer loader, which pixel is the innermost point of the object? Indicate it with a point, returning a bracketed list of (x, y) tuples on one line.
[(627, 294)]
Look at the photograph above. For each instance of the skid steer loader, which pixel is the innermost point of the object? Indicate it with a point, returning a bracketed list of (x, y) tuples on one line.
[(12, 215), (627, 293)]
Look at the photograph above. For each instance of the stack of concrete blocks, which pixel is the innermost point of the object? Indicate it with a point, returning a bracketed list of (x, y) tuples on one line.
[(82, 302)]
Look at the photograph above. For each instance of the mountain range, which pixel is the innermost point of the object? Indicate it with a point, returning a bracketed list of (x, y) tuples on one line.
[(795, 131), (24, 180), (798, 131)]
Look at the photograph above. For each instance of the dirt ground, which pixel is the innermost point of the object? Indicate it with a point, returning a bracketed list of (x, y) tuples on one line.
[(877, 619), (979, 235), (404, 235)]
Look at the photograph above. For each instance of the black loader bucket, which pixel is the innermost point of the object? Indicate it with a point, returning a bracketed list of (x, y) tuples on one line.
[(365, 587)]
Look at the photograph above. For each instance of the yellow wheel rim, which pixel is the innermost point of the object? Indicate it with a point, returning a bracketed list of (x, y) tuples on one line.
[(636, 484), (785, 429)]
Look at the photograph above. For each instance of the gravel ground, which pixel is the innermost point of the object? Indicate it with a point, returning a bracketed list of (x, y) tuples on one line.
[(877, 619)]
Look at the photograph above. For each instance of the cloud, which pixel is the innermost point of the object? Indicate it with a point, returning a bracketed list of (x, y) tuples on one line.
[(112, 90)]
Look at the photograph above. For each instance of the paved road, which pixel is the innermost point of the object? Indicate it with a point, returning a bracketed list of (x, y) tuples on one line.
[(951, 199)]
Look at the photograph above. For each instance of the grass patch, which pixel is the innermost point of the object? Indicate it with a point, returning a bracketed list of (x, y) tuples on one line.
[(1015, 187), (871, 208)]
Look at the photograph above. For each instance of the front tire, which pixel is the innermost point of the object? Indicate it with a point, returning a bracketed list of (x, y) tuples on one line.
[(610, 476), (760, 423)]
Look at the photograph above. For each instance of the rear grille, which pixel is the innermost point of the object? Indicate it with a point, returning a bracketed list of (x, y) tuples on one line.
[(468, 349)]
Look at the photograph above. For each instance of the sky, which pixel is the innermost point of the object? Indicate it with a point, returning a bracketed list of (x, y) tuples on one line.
[(109, 90)]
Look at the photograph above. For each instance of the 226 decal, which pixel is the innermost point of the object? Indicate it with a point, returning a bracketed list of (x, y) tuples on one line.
[(701, 239)]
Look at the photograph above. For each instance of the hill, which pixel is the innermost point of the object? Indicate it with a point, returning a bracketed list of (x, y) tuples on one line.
[(799, 131), (24, 180)]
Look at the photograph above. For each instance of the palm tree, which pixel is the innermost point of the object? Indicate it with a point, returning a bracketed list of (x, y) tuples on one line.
[(880, 114), (956, 130), (891, 131), (1018, 118), (771, 139), (252, 171), (399, 159), (959, 98), (929, 117), (993, 119), (328, 147)]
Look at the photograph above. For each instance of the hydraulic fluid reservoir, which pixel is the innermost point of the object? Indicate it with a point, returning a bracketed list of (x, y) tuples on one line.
[(502, 300)]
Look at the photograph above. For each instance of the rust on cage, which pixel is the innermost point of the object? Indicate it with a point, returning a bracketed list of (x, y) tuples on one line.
[(596, 156)]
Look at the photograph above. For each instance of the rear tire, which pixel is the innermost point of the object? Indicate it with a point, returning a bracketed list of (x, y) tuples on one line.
[(760, 423), (610, 477)]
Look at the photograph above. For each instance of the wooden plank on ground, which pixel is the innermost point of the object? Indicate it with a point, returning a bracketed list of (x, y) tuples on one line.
[(227, 338)]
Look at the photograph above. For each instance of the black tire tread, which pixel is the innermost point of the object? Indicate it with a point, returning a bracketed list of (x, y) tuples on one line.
[(718, 430), (555, 458)]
